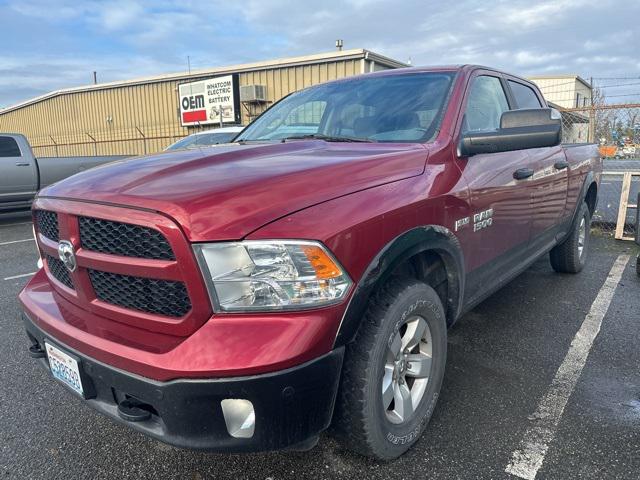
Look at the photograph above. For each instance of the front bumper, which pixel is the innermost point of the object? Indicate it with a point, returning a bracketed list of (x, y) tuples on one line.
[(226, 345), (291, 406)]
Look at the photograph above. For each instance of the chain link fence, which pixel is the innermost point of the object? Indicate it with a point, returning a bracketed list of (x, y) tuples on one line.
[(136, 140)]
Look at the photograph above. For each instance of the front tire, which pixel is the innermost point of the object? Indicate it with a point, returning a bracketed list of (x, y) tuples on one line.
[(393, 371), (571, 255)]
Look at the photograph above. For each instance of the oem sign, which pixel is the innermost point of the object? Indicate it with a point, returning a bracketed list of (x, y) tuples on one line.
[(209, 101)]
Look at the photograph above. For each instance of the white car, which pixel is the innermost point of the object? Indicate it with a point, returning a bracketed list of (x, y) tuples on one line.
[(206, 138)]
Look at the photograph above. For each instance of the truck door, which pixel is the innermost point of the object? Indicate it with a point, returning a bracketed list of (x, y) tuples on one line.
[(19, 175), (549, 181), (500, 222)]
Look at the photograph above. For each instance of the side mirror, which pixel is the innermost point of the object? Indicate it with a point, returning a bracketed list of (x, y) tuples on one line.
[(519, 129)]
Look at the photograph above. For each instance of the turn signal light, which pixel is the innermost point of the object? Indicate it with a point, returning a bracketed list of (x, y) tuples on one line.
[(321, 262)]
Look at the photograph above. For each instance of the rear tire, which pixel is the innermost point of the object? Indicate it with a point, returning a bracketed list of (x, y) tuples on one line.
[(571, 255), (386, 398)]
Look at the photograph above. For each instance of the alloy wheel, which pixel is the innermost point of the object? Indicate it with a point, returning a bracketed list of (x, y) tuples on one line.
[(407, 369), (582, 235)]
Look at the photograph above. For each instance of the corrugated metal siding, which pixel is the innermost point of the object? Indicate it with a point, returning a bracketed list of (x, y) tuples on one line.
[(114, 121), (117, 119)]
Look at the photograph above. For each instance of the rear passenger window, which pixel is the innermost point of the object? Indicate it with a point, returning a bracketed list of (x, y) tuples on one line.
[(525, 96), (9, 147), (487, 102)]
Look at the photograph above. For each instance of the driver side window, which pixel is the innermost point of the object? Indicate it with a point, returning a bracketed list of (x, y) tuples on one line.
[(485, 105)]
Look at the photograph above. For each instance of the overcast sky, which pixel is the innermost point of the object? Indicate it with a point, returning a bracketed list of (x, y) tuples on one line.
[(51, 44)]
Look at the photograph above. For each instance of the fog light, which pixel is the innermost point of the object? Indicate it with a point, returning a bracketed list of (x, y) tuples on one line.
[(239, 417)]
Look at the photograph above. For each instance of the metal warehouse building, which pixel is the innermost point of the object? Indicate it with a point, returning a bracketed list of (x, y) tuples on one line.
[(145, 115)]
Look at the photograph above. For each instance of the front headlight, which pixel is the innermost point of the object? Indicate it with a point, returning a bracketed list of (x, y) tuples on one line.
[(271, 275)]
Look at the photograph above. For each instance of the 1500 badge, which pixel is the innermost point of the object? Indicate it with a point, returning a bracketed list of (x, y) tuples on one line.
[(482, 220)]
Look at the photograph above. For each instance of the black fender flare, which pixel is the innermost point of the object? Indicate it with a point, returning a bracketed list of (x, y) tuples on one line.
[(589, 179), (412, 242)]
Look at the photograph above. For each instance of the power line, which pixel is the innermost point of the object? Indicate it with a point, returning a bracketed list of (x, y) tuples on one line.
[(619, 85), (554, 85), (546, 91), (571, 99), (616, 78), (624, 95)]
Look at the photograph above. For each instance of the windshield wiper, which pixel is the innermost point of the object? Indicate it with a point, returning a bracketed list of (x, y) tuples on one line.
[(328, 138), (242, 141)]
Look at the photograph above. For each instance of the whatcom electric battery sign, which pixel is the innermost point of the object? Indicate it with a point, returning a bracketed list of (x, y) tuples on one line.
[(210, 101)]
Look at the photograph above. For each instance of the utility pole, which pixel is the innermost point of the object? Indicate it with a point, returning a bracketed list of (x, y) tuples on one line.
[(95, 77), (592, 115)]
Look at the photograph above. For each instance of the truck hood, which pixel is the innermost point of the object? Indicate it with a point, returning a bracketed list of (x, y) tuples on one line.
[(228, 191)]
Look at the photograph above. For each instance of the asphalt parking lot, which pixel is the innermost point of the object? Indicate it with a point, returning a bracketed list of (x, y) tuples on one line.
[(504, 361)]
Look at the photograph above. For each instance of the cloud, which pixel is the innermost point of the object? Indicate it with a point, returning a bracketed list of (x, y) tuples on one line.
[(37, 74), (126, 39), (115, 16), (63, 10), (526, 58), (541, 13)]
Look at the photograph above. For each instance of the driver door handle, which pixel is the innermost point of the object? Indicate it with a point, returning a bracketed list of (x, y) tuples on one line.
[(523, 173), (561, 165), (22, 164)]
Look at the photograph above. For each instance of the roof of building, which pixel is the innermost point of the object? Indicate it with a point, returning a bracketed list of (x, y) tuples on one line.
[(359, 53), (568, 76)]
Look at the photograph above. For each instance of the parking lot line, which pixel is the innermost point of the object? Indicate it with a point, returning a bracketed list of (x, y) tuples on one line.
[(15, 224), (19, 276), (527, 460), (17, 241)]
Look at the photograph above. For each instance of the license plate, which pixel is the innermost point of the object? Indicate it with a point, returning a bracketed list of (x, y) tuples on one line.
[(64, 368)]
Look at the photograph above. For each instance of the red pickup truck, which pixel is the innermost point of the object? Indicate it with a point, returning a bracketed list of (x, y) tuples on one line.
[(244, 297)]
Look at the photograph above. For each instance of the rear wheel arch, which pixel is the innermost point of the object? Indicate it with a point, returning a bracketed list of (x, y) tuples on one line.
[(588, 193), (591, 195), (425, 253)]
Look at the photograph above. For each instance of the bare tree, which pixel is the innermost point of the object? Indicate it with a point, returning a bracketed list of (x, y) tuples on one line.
[(633, 118), (605, 120)]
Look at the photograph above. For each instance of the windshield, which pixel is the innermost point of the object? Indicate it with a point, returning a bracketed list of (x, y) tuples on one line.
[(203, 140), (393, 108)]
